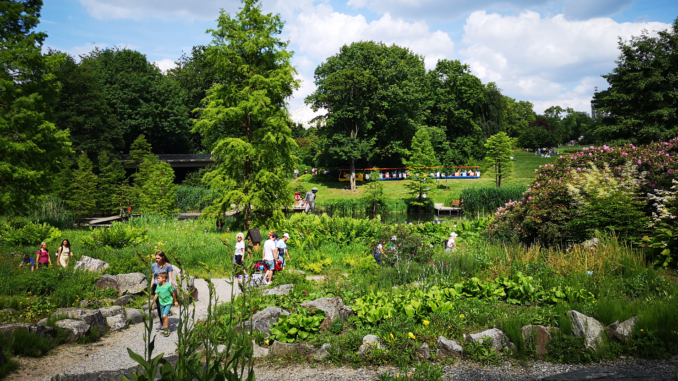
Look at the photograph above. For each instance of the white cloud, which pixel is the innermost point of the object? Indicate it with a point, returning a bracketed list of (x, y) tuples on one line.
[(165, 64), (442, 9), (548, 60), (299, 111)]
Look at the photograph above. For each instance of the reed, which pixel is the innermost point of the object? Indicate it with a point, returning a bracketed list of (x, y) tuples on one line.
[(488, 199), (195, 199)]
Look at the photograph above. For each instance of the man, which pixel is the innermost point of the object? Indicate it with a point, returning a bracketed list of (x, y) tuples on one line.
[(310, 200), (269, 255), (282, 250)]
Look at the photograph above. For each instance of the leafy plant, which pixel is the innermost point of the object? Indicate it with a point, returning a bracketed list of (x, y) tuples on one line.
[(482, 352), (301, 326), (119, 235), (22, 232)]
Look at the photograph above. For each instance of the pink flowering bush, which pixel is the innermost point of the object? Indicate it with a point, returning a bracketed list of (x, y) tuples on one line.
[(551, 213)]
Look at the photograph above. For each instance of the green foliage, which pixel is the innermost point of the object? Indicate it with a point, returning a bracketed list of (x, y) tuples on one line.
[(517, 115), (53, 211), (422, 372), (111, 189), (569, 350), (482, 352), (82, 190), (374, 195), (254, 150), (498, 157), (119, 235), (24, 343), (663, 242), (301, 326), (421, 157), (154, 187), (488, 199), (195, 198), (23, 232)]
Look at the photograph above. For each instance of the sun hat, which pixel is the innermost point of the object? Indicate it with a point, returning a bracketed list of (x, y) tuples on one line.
[(286, 235), (393, 238), (453, 234)]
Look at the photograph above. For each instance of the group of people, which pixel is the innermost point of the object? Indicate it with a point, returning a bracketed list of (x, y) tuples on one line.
[(545, 152), (379, 251), (465, 173), (275, 250), (314, 171), (43, 259)]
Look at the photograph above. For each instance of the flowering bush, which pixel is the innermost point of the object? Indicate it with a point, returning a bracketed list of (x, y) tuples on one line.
[(563, 197), (663, 242)]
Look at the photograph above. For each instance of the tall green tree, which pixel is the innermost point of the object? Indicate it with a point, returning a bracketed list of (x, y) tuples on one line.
[(499, 148), (516, 116), (250, 111), (641, 104), (82, 190), (31, 147), (421, 158), (111, 183), (154, 189)]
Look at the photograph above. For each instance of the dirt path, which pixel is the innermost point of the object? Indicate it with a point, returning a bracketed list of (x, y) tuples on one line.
[(110, 353)]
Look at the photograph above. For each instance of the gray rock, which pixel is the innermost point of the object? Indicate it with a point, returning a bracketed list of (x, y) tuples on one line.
[(132, 283), (263, 320), (601, 374), (279, 290), (424, 352), (42, 322), (622, 331), (283, 349), (369, 342), (499, 339), (106, 281), (333, 307), (323, 352), (297, 272), (134, 315), (116, 322), (112, 311), (587, 327), (8, 311), (8, 329), (259, 352), (220, 348), (90, 264), (123, 300), (75, 329), (93, 318), (90, 303), (448, 348), (538, 336), (306, 349)]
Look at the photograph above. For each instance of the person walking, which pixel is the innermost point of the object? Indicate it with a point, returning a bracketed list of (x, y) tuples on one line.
[(64, 253), (42, 256), (269, 255), (282, 250), (451, 243), (310, 200), (239, 249), (162, 265), (164, 296), (220, 222), (378, 252), (28, 261)]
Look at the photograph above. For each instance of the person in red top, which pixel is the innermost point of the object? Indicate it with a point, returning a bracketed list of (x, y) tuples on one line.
[(42, 256)]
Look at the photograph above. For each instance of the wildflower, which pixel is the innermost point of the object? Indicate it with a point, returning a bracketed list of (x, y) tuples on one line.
[(426, 322), (392, 338), (411, 335), (642, 330), (461, 316), (266, 342)]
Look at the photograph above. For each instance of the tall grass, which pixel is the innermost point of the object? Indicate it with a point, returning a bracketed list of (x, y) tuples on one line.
[(350, 207), (488, 199), (195, 199), (54, 211)]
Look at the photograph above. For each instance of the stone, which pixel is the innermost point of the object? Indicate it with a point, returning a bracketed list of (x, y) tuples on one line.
[(263, 320), (333, 307), (90, 303), (538, 336), (587, 327), (106, 281), (296, 272), (112, 311), (306, 349), (8, 311), (369, 342), (499, 339), (259, 352), (8, 329), (132, 283), (90, 264), (42, 322), (134, 316), (93, 318), (75, 329), (424, 352), (622, 331), (323, 352), (601, 374), (447, 348), (123, 300), (116, 322), (220, 348), (279, 290), (283, 349)]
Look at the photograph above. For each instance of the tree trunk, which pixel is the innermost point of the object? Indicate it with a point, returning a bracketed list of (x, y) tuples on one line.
[(499, 175), (353, 174)]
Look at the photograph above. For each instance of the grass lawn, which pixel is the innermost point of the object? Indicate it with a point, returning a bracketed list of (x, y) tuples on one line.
[(523, 174)]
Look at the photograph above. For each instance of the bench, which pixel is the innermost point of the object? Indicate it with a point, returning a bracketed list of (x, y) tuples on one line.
[(456, 204)]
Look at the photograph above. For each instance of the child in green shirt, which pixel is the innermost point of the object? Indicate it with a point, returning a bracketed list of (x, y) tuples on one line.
[(165, 293)]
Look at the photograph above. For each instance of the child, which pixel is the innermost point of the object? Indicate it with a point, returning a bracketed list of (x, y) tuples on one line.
[(28, 261), (165, 292)]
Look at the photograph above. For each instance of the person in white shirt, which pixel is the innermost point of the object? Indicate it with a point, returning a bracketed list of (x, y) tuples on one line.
[(282, 249), (239, 249), (269, 256), (451, 243)]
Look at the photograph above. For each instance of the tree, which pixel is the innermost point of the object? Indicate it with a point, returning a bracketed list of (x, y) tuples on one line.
[(31, 147), (154, 189), (538, 134), (139, 149), (641, 104), (374, 194), (499, 149), (516, 116), (421, 158), (111, 183), (82, 191), (255, 150)]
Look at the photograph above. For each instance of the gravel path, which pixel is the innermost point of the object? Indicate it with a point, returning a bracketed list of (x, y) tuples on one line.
[(110, 353)]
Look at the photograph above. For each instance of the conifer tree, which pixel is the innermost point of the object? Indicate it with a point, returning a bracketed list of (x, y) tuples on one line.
[(111, 178), (154, 189), (498, 157), (421, 158), (82, 191)]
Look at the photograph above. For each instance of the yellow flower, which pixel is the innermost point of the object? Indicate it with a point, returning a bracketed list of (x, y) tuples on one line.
[(266, 342), (642, 330), (411, 335), (426, 322), (392, 338), (461, 316)]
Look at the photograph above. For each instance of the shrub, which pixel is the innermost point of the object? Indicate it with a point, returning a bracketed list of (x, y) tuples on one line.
[(488, 199), (23, 232), (117, 236), (26, 343), (195, 198)]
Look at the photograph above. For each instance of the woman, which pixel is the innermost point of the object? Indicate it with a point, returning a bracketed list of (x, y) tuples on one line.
[(451, 243), (239, 249), (42, 256), (161, 265), (64, 253), (220, 222)]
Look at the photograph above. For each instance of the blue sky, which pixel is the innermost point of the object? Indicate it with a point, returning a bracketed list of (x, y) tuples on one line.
[(547, 52)]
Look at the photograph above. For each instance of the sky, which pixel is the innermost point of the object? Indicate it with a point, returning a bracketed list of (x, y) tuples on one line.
[(544, 51)]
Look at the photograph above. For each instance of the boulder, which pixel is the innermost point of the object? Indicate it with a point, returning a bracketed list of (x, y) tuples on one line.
[(259, 352), (42, 322), (369, 342), (93, 318), (106, 281), (112, 311), (90, 264), (279, 290), (538, 336), (132, 283), (323, 352), (116, 322), (90, 303), (8, 329), (499, 339), (75, 329), (333, 307), (448, 348), (587, 327), (306, 349), (263, 320), (134, 315), (424, 352), (283, 349), (622, 331), (123, 300), (8, 311)]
